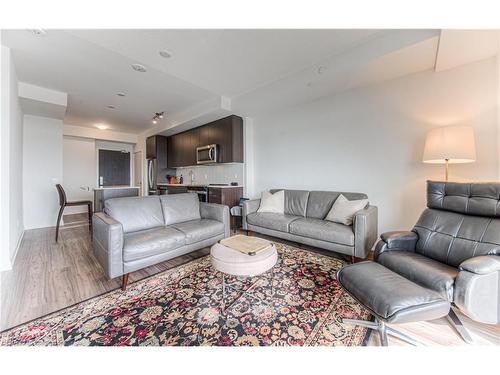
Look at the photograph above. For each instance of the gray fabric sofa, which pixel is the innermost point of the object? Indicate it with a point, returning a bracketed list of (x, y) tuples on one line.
[(137, 232), (303, 222)]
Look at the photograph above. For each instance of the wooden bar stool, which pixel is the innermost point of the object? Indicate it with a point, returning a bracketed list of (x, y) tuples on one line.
[(63, 202)]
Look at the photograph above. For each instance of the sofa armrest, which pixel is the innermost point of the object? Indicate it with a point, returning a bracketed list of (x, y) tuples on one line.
[(247, 208), (481, 265), (398, 240), (365, 226), (401, 240), (107, 235), (217, 212), (477, 288)]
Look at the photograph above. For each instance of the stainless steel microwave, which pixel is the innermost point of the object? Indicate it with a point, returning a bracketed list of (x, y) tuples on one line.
[(207, 154)]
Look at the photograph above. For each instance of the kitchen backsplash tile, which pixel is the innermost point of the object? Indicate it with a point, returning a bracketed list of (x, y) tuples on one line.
[(212, 174)]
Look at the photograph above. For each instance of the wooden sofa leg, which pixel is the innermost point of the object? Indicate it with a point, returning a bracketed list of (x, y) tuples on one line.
[(249, 233), (353, 259), (124, 281)]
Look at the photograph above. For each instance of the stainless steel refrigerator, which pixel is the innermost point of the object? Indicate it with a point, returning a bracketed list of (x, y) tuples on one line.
[(153, 176)]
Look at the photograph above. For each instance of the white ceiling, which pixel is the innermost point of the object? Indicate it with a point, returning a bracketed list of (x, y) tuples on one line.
[(227, 62), (459, 47), (93, 65), (92, 75), (257, 70)]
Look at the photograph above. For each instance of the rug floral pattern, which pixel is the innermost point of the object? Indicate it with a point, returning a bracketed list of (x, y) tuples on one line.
[(298, 302)]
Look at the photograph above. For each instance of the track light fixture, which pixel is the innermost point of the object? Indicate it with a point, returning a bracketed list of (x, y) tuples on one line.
[(157, 116)]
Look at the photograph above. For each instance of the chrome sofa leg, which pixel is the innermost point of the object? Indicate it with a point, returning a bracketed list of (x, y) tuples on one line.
[(383, 331), (403, 337), (455, 321)]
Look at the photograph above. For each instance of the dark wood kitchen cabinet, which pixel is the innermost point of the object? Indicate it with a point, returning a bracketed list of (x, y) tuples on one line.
[(157, 148), (227, 133), (229, 196)]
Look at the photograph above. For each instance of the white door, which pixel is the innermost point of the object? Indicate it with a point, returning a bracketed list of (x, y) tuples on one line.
[(138, 166)]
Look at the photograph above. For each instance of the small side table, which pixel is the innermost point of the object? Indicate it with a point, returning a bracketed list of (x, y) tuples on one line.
[(235, 263)]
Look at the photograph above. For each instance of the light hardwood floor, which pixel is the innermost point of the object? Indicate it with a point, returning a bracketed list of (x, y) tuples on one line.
[(49, 276)]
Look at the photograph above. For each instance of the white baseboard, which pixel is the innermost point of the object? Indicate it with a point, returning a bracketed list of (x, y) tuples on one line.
[(18, 245)]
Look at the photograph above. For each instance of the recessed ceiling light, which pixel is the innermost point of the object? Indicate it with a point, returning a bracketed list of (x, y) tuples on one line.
[(38, 32), (139, 68), (164, 53), (122, 94), (110, 106), (154, 121), (101, 126)]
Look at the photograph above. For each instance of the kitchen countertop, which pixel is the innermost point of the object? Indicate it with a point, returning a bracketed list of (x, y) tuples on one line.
[(116, 187), (199, 185)]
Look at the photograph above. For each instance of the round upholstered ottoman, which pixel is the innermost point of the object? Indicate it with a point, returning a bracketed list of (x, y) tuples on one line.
[(236, 263), (233, 262)]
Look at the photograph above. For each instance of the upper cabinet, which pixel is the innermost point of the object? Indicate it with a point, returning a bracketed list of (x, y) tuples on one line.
[(227, 133), (156, 147)]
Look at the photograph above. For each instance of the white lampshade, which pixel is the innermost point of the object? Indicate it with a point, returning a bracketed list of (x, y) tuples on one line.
[(454, 144)]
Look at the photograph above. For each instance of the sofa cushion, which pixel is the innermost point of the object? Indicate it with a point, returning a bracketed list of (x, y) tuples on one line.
[(178, 208), (146, 243), (279, 222), (296, 202), (323, 230), (135, 213), (199, 230), (422, 270), (320, 202)]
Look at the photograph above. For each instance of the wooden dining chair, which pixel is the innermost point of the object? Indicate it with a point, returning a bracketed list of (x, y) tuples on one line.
[(63, 202)]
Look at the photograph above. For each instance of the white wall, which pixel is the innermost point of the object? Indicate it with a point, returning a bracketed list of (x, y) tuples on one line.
[(42, 169), (371, 139), (79, 171), (11, 147)]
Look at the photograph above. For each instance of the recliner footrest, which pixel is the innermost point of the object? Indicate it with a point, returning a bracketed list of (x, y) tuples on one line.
[(389, 296)]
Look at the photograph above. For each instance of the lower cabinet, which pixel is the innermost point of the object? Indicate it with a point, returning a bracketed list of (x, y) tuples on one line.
[(176, 189), (228, 196)]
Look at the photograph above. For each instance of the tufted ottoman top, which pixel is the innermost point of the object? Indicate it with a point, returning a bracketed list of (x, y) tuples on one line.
[(236, 263)]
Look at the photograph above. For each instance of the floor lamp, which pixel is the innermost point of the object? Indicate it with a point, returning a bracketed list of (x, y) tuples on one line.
[(450, 145)]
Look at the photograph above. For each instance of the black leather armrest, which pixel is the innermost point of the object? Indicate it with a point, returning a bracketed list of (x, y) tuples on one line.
[(402, 240), (481, 265)]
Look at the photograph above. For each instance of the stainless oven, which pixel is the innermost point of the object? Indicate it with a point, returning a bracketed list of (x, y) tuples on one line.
[(202, 192), (207, 154)]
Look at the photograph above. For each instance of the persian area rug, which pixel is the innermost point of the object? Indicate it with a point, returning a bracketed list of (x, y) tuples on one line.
[(298, 302)]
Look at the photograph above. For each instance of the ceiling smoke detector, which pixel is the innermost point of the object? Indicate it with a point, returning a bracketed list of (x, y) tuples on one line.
[(110, 106), (139, 68), (121, 94), (164, 53)]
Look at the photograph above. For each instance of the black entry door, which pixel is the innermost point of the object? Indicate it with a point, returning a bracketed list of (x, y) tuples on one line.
[(114, 168)]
